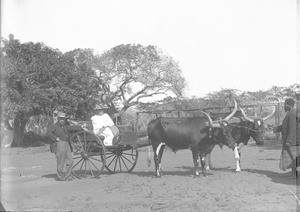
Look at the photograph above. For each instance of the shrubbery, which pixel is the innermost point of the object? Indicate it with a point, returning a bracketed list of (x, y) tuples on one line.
[(33, 140)]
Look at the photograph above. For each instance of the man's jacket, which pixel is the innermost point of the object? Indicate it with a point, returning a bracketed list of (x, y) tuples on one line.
[(57, 130), (291, 128)]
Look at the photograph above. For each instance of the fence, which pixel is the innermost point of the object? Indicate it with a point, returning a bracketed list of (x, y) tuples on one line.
[(251, 110)]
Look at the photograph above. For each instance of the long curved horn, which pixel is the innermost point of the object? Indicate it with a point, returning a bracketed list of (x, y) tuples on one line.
[(265, 118), (211, 122), (208, 117), (245, 116), (232, 113)]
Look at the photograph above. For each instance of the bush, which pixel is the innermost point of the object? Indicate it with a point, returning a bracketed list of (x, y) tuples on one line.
[(32, 140)]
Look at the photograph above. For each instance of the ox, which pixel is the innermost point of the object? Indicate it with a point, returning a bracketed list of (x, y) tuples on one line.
[(242, 131), (199, 134)]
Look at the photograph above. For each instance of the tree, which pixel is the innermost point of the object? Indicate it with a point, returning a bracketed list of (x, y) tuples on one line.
[(283, 92), (22, 81), (222, 98), (37, 79), (135, 72)]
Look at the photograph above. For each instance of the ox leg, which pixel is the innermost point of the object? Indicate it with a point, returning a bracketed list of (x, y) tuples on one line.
[(237, 159), (202, 159), (157, 159), (208, 165), (196, 163), (156, 163), (240, 146)]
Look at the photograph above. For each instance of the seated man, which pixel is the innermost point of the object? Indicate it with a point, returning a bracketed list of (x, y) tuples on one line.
[(103, 126)]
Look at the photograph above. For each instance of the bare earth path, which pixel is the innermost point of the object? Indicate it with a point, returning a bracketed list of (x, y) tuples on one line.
[(28, 184)]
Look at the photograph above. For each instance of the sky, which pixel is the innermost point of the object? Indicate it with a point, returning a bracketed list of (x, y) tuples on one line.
[(248, 45)]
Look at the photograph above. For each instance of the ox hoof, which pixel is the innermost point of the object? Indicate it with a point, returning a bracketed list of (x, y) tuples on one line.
[(238, 171), (209, 169), (197, 174), (159, 176)]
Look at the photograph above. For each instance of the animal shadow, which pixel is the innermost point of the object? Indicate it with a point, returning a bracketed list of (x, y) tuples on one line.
[(214, 169), (54, 176), (281, 178), (184, 171)]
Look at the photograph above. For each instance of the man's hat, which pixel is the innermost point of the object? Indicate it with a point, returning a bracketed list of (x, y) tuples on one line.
[(101, 109), (61, 115)]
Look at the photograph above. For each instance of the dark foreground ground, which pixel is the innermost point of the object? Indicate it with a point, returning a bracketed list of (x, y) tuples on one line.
[(28, 184)]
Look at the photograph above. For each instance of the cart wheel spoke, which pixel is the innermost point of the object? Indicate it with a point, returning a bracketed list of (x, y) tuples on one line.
[(120, 164), (107, 157), (111, 161), (99, 160), (93, 148), (116, 163), (91, 162), (83, 162), (124, 163), (132, 162), (76, 157), (89, 155), (78, 162), (125, 153), (121, 159)]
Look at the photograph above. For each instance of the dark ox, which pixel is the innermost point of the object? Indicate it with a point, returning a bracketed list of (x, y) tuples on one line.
[(242, 131), (199, 134)]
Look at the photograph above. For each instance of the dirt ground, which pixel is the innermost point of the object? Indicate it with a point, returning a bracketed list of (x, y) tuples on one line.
[(28, 184)]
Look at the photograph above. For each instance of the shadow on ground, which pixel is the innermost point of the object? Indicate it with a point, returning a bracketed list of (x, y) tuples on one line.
[(281, 178), (268, 145), (54, 176)]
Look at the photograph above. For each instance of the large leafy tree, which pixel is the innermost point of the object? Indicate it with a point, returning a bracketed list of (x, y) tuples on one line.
[(222, 98), (135, 72), (37, 79), (283, 92)]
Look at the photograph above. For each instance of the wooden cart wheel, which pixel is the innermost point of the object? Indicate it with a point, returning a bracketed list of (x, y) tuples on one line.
[(89, 155), (120, 159)]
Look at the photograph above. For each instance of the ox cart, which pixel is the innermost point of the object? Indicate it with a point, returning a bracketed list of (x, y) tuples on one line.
[(91, 156)]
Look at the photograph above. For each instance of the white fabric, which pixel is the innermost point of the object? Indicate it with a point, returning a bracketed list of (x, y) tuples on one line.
[(107, 133), (103, 121)]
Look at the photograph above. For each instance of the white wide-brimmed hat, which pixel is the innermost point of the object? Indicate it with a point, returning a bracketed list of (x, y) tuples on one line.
[(61, 115)]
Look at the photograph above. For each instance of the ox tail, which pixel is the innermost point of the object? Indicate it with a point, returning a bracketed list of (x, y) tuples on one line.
[(149, 157), (149, 146)]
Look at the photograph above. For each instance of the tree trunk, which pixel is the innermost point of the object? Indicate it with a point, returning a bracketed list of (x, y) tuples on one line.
[(117, 115), (20, 122), (8, 125)]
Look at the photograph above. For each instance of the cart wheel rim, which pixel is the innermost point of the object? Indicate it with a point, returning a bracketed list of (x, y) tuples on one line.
[(121, 160), (89, 155)]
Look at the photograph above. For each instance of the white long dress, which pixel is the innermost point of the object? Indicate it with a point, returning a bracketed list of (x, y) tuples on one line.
[(103, 121)]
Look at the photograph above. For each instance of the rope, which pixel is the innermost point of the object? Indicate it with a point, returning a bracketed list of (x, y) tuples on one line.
[(247, 128), (291, 192)]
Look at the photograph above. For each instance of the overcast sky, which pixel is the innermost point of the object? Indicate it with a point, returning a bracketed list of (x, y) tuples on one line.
[(248, 45)]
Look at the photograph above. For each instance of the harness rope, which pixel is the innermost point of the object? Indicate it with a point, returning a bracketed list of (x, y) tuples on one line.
[(247, 128)]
